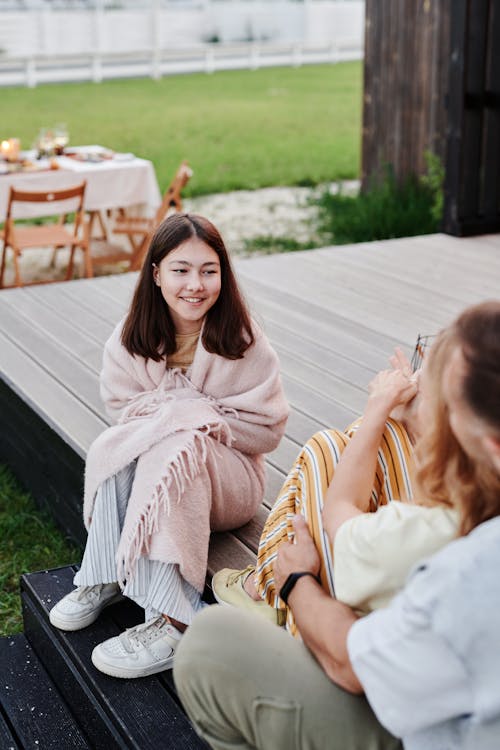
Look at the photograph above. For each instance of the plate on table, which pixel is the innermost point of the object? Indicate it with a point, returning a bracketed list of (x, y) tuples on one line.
[(123, 157), (27, 165), (92, 154)]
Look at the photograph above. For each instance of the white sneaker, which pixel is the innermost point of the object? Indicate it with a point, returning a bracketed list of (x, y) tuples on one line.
[(146, 649), (83, 606)]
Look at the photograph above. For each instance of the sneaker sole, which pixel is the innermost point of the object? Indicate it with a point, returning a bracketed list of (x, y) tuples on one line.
[(83, 622), (220, 601), (125, 673)]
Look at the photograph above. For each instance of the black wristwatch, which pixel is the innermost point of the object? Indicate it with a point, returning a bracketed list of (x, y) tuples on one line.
[(290, 582)]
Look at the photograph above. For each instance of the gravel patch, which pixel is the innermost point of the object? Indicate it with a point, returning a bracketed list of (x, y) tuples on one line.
[(241, 215)]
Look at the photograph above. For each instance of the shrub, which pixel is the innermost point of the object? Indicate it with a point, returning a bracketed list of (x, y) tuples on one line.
[(387, 209), (434, 180)]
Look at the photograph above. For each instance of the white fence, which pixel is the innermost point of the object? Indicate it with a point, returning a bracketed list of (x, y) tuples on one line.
[(206, 58), (62, 45)]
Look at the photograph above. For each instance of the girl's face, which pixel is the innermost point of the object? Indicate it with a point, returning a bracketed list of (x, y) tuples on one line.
[(190, 282)]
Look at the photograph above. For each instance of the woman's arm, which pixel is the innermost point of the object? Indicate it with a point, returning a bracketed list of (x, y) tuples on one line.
[(324, 623), (350, 489)]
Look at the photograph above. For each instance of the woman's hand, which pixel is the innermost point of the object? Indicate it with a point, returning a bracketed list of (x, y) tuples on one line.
[(296, 556)]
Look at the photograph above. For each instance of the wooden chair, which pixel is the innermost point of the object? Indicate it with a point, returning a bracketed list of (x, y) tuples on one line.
[(139, 229), (21, 237)]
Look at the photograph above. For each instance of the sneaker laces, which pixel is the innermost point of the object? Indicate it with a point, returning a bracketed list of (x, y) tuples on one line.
[(88, 592), (239, 575), (145, 633)]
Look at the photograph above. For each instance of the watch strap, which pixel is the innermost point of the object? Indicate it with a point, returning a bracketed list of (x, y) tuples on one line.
[(290, 582)]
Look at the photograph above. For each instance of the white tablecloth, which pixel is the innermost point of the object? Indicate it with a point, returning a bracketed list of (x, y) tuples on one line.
[(112, 183)]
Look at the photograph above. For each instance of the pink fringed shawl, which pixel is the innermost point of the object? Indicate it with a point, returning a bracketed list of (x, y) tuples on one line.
[(171, 423)]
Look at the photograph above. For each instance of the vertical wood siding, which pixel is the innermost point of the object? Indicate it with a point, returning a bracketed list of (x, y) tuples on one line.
[(472, 186), (406, 78)]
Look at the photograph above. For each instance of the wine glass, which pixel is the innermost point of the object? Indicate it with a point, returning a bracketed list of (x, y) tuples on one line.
[(45, 142), (61, 138)]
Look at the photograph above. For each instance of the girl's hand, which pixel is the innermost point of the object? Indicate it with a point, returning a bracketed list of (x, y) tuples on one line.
[(407, 413), (391, 388), (399, 361)]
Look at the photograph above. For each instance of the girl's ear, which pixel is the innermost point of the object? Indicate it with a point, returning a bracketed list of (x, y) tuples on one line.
[(156, 274)]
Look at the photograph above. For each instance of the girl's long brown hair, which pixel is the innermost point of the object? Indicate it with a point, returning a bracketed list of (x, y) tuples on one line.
[(149, 330), (446, 473)]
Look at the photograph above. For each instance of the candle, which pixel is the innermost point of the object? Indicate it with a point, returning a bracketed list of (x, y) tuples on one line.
[(9, 149)]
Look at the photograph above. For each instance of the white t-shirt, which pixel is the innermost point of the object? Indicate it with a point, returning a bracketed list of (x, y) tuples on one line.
[(374, 552)]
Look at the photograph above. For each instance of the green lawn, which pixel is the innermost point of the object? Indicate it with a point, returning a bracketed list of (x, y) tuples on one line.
[(29, 541), (238, 129)]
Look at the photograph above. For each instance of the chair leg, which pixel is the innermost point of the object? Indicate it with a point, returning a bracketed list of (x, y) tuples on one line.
[(134, 244), (69, 272), (104, 227), (137, 258), (87, 257), (97, 215), (2, 265), (52, 263), (86, 250), (17, 278)]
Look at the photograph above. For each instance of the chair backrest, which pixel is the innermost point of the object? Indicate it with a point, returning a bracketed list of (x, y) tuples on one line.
[(47, 196), (57, 197), (75, 194), (172, 197)]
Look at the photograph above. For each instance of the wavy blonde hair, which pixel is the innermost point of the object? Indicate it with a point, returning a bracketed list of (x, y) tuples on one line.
[(445, 473)]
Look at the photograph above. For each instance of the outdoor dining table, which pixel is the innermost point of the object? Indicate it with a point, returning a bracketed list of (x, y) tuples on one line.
[(121, 181)]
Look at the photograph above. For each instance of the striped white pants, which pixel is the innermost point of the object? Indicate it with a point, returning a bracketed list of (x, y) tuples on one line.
[(158, 587)]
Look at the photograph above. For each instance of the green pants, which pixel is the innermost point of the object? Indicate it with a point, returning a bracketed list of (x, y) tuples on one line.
[(248, 684)]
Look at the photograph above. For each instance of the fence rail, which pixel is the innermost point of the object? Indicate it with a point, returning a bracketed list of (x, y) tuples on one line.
[(97, 67)]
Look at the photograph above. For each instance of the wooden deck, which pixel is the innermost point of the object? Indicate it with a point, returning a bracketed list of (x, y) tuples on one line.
[(333, 315)]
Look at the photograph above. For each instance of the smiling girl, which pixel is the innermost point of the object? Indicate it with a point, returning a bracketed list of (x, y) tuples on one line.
[(195, 389)]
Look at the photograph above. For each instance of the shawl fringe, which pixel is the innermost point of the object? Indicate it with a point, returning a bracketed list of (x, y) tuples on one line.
[(179, 474)]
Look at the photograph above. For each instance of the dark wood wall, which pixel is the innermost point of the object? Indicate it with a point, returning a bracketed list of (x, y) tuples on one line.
[(472, 184), (407, 47)]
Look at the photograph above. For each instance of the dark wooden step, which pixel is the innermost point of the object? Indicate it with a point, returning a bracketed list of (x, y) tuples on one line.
[(33, 712), (7, 740), (140, 714)]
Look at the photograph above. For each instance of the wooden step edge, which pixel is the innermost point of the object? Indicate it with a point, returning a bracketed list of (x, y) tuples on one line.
[(35, 709), (100, 729), (140, 714), (7, 739)]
